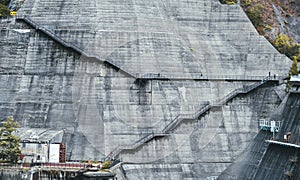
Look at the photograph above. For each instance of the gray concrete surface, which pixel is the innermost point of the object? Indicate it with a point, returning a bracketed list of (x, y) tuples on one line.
[(101, 107), (271, 161)]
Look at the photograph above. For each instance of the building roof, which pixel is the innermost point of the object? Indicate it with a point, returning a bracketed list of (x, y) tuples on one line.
[(39, 135), (295, 81), (295, 78)]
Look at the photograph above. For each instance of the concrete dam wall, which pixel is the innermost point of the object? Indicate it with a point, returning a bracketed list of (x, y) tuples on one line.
[(272, 161), (174, 89)]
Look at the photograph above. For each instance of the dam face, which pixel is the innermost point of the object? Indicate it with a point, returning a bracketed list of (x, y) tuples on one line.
[(174, 89)]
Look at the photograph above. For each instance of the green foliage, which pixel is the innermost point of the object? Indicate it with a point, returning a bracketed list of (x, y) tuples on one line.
[(106, 164), (294, 69), (4, 11), (268, 27), (247, 2), (228, 1), (5, 2), (255, 14), (9, 143), (286, 45)]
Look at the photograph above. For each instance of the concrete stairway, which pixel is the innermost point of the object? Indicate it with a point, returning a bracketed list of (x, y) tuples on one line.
[(178, 40), (219, 102), (64, 43), (179, 118)]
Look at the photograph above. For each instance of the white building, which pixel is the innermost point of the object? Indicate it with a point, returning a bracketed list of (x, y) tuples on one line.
[(41, 145)]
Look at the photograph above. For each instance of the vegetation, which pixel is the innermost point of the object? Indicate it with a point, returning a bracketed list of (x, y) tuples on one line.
[(263, 16), (4, 11), (294, 69), (286, 45), (228, 1), (5, 2), (247, 2), (106, 164), (9, 143), (255, 14)]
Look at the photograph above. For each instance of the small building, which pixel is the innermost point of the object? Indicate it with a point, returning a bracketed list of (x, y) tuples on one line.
[(41, 145), (295, 81)]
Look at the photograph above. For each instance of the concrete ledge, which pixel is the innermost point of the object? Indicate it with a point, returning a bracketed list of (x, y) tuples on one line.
[(283, 143)]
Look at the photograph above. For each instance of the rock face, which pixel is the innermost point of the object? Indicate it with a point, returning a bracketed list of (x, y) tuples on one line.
[(174, 86)]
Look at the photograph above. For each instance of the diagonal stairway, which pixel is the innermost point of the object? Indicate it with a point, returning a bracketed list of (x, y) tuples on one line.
[(178, 119), (67, 44)]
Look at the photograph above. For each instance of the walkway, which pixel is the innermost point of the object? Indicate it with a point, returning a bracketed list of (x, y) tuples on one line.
[(283, 143)]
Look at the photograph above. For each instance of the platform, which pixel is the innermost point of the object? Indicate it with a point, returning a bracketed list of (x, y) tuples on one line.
[(283, 143)]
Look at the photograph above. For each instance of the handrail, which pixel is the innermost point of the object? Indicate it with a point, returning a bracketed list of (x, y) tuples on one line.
[(66, 44), (179, 118), (242, 90), (205, 77), (139, 75), (135, 145), (218, 102)]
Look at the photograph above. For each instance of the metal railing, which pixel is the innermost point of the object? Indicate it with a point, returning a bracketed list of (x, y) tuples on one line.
[(179, 118), (242, 90), (135, 145), (46, 165), (218, 102), (205, 77), (138, 75), (67, 44)]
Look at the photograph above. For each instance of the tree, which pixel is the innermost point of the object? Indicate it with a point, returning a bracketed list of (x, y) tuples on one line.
[(228, 1), (255, 14), (5, 2), (4, 11), (294, 69), (292, 72), (9, 143), (286, 45)]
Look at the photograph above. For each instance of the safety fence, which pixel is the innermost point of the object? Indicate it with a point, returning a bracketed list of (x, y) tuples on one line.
[(67, 44), (179, 118)]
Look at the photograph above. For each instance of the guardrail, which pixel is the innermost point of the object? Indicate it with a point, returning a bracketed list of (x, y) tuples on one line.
[(135, 145), (138, 75), (179, 118), (46, 165), (242, 90), (218, 102), (67, 44), (64, 165), (205, 77)]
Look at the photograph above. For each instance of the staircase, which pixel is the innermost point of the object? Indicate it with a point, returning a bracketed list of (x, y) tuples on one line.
[(67, 44), (135, 145), (179, 118)]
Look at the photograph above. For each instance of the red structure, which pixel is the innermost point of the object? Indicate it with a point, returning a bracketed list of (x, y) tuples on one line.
[(62, 153)]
